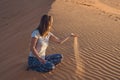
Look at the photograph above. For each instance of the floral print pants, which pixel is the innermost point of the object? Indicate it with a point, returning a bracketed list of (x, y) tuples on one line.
[(51, 61)]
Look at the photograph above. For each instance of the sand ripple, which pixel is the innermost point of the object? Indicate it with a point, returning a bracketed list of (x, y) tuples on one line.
[(97, 24)]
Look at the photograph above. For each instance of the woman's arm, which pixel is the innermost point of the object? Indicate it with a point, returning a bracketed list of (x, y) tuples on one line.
[(60, 41), (33, 49)]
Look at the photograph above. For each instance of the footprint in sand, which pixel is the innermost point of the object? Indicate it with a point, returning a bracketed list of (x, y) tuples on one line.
[(117, 18), (105, 9)]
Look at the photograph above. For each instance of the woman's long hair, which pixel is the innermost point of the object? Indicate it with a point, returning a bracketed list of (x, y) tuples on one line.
[(45, 24)]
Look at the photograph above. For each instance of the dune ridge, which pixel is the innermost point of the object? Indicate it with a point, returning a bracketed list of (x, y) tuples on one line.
[(98, 4), (94, 55), (98, 35)]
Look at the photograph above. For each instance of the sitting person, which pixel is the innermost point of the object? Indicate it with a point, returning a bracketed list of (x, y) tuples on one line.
[(37, 59)]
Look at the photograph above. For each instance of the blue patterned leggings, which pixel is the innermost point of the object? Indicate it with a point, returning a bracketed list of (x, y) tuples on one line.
[(51, 61)]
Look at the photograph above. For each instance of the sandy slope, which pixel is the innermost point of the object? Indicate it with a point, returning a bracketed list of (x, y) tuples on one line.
[(112, 3), (17, 19), (97, 25)]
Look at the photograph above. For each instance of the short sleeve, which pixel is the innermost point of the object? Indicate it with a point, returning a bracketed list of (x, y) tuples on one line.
[(35, 34)]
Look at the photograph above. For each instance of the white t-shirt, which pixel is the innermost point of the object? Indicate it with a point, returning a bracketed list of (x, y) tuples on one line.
[(42, 43)]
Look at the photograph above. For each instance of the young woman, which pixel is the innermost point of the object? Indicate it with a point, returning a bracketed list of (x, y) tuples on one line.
[(37, 59)]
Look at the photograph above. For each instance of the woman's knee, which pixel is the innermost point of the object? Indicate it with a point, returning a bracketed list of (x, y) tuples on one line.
[(58, 56), (49, 65)]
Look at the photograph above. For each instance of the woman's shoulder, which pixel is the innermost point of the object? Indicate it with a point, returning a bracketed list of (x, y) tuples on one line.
[(35, 33)]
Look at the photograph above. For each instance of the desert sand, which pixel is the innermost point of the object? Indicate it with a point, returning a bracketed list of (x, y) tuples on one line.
[(94, 55)]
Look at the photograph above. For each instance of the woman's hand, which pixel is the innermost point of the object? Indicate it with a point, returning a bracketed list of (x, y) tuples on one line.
[(42, 60), (73, 35)]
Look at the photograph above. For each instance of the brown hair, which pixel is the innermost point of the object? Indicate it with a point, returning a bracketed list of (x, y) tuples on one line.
[(45, 23)]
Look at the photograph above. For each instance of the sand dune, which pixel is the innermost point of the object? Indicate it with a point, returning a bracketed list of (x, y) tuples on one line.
[(96, 22), (112, 3)]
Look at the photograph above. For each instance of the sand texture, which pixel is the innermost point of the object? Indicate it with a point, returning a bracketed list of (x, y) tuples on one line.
[(94, 55)]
